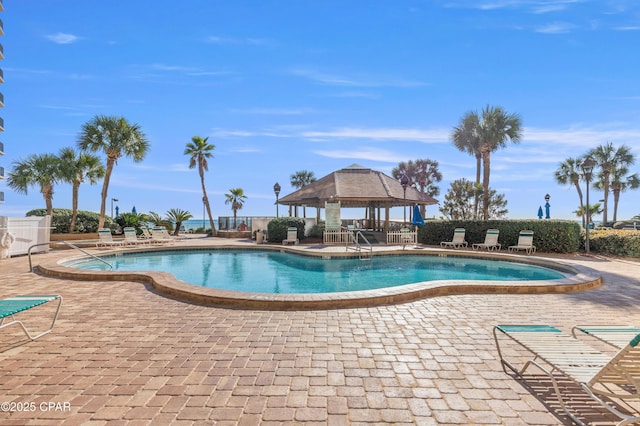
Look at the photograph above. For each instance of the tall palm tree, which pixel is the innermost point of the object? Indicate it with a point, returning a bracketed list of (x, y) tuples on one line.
[(496, 129), (568, 173), (609, 158), (466, 138), (42, 170), (236, 198), (75, 168), (620, 182), (178, 216), (299, 180), (115, 137), (198, 150), (424, 173)]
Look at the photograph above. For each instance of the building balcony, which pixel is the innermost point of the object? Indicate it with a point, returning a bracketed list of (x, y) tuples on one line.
[(1, 197), (1, 148), (1, 124), (1, 173), (1, 76), (1, 100)]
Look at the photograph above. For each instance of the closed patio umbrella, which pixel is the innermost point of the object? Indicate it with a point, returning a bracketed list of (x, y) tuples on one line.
[(417, 216)]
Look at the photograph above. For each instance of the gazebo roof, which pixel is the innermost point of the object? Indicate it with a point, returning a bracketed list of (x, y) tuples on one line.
[(356, 186)]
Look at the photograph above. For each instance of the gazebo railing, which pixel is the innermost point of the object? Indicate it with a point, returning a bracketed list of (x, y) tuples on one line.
[(403, 237), (337, 236)]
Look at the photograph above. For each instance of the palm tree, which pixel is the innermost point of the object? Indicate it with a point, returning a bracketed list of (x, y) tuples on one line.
[(299, 180), (424, 173), (236, 198), (609, 159), (497, 127), (621, 182), (199, 150), (594, 209), (569, 173), (75, 168), (42, 170), (178, 216), (465, 137), (115, 137)]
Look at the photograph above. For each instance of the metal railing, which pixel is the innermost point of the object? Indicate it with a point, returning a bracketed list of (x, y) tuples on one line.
[(70, 245), (355, 238)]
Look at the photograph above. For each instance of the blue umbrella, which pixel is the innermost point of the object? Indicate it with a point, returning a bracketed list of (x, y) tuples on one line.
[(417, 217), (540, 213), (133, 210)]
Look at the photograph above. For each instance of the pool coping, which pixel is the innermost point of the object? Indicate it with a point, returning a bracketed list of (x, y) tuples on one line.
[(166, 284)]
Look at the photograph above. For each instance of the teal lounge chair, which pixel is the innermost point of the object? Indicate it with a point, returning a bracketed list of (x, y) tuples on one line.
[(490, 241), (458, 239), (601, 376), (525, 242), (13, 305)]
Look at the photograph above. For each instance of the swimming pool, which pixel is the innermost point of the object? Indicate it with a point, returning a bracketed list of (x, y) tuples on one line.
[(275, 272)]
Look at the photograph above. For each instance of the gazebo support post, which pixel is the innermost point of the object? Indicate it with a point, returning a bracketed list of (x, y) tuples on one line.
[(386, 219)]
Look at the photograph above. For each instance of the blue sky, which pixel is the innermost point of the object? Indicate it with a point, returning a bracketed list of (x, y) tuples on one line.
[(282, 86)]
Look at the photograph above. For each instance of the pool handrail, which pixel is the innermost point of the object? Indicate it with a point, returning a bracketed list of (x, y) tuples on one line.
[(70, 245)]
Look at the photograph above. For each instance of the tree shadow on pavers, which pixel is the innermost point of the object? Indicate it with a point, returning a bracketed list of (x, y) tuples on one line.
[(576, 399), (616, 290)]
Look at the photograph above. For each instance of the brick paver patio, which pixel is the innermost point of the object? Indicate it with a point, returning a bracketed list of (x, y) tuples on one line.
[(123, 354)]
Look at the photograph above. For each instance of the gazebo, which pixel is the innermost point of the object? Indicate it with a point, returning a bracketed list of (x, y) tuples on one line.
[(358, 187)]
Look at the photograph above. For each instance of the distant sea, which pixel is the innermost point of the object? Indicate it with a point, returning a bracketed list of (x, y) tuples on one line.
[(198, 223)]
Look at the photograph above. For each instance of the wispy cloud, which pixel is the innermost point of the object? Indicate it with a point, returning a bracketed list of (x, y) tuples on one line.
[(555, 28), (275, 111), (253, 41), (62, 38), (582, 137), (191, 71), (628, 28), (363, 153), (354, 81), (427, 136)]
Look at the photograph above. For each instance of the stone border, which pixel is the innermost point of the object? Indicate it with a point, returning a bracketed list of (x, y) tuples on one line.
[(581, 279)]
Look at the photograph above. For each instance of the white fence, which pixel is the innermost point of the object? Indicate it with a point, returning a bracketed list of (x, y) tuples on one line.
[(23, 232), (403, 237), (337, 236)]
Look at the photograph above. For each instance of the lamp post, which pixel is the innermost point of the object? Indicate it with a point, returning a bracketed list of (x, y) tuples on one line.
[(276, 190), (587, 168), (547, 206), (113, 200), (404, 181)]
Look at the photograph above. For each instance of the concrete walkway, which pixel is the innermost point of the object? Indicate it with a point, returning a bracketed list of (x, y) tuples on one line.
[(122, 354)]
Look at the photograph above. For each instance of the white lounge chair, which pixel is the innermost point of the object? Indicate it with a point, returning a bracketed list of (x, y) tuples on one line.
[(106, 239), (490, 241), (458, 239), (525, 242), (292, 236), (131, 237), (600, 375), (615, 335), (160, 234)]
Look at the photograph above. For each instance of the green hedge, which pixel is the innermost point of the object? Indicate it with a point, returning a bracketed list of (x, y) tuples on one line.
[(86, 222), (556, 236), (616, 242), (277, 228)]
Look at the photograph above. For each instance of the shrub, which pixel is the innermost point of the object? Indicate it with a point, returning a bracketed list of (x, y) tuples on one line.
[(317, 230), (557, 236), (86, 222), (615, 242), (277, 228)]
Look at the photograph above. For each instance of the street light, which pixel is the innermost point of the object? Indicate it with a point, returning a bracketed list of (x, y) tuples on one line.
[(113, 200), (547, 206), (587, 168), (404, 181), (276, 189)]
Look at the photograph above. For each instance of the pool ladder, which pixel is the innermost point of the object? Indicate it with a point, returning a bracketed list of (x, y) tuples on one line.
[(364, 252), (70, 245)]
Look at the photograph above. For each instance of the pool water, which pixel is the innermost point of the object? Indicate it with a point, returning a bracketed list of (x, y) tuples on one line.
[(280, 273)]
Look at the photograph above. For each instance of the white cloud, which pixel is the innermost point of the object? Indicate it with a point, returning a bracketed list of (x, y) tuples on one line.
[(62, 38), (555, 28), (354, 81), (363, 153), (274, 111), (428, 136)]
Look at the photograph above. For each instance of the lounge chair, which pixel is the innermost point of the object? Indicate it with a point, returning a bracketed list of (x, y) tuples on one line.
[(292, 236), (615, 335), (131, 237), (106, 240), (9, 307), (458, 239), (525, 242), (600, 375), (159, 234), (490, 241)]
